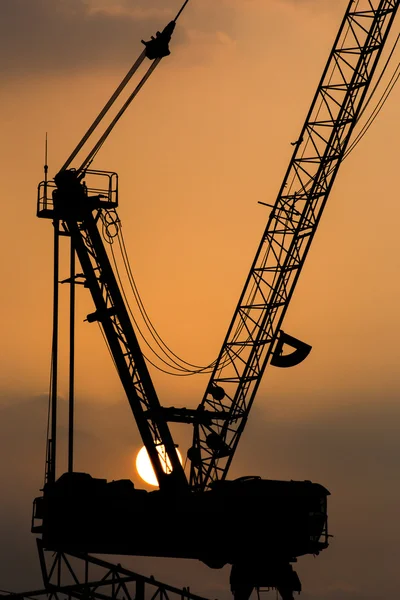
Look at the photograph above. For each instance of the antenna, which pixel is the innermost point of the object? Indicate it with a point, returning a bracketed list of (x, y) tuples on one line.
[(46, 167)]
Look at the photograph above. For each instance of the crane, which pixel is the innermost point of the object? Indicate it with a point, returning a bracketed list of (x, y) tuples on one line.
[(79, 513)]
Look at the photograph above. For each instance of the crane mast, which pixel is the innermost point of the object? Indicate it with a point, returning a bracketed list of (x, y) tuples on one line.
[(75, 207), (254, 336)]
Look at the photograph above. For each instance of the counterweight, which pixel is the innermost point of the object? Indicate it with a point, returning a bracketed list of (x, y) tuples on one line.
[(293, 221)]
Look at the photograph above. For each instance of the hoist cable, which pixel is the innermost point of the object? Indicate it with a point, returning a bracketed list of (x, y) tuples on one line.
[(378, 107), (142, 308), (372, 116), (181, 10), (147, 321), (321, 104), (153, 331), (380, 77), (182, 371), (105, 110), (88, 160), (285, 218), (146, 318), (177, 367), (110, 103), (283, 250), (385, 95)]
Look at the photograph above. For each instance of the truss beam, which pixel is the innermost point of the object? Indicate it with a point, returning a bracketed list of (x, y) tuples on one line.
[(86, 577), (291, 227)]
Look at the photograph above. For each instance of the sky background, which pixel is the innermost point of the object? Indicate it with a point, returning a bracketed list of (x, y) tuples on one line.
[(206, 139)]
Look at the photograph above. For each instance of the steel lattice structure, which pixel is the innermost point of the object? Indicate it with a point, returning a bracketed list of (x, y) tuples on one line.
[(292, 223), (81, 576)]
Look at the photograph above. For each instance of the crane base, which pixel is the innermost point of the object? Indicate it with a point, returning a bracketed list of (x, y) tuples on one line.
[(224, 525)]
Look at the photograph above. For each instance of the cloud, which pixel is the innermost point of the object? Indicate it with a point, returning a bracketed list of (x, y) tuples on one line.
[(38, 37), (57, 35)]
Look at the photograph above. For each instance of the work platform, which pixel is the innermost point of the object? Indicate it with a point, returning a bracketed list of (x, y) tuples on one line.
[(99, 185)]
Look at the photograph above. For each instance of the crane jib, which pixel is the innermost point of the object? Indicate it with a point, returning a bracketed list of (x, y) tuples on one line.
[(293, 220)]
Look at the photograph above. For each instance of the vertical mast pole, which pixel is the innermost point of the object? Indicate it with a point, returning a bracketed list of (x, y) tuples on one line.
[(71, 360), (51, 472)]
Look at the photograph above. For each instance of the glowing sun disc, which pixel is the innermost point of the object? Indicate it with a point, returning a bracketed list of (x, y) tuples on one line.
[(145, 468)]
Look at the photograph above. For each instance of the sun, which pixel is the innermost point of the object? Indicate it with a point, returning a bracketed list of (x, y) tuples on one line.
[(145, 468)]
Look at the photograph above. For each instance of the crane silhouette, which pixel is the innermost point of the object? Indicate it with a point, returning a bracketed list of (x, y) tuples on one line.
[(80, 514)]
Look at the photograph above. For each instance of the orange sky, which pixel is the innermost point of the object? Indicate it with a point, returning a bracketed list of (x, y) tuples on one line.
[(208, 137)]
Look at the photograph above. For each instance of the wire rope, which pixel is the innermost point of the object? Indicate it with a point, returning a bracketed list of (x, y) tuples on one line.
[(380, 77), (92, 154), (147, 321), (142, 308), (285, 217), (181, 371), (376, 111), (111, 102), (105, 110), (181, 10), (110, 219), (388, 90), (196, 369), (369, 122)]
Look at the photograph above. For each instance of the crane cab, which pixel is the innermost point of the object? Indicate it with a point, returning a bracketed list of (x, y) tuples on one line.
[(79, 513), (99, 185)]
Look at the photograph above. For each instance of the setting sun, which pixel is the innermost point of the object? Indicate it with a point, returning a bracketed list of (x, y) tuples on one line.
[(145, 468)]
